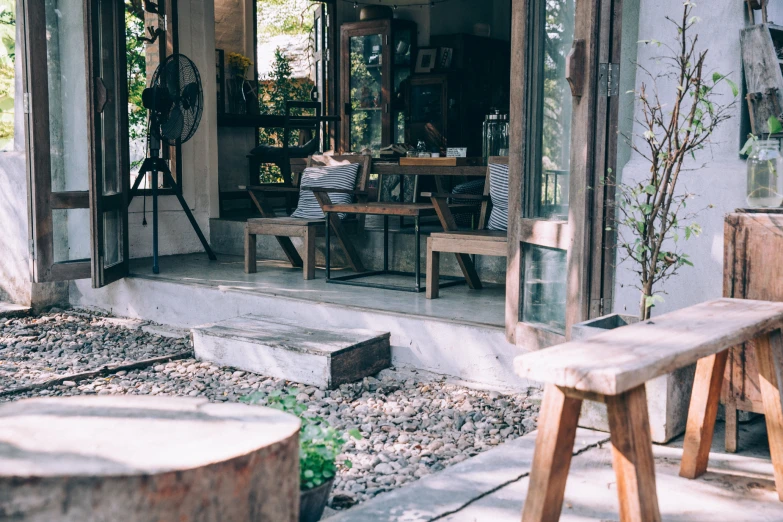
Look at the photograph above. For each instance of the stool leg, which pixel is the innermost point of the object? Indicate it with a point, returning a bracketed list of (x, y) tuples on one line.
[(250, 252), (552, 457), (769, 355), (309, 253), (632, 458), (702, 413), (433, 271)]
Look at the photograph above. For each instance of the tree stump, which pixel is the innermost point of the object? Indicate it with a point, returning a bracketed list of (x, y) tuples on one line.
[(147, 459)]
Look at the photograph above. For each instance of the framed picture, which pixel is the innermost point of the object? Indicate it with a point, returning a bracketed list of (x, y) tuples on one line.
[(445, 57), (425, 60)]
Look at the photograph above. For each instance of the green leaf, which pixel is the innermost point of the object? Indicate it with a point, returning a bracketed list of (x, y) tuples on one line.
[(355, 433), (309, 474), (734, 88), (775, 126), (348, 464)]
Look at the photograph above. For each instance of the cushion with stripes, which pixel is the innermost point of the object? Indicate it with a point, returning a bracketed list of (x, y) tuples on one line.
[(498, 193), (337, 177)]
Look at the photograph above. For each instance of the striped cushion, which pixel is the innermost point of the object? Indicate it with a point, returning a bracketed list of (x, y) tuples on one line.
[(475, 187), (498, 193), (338, 176)]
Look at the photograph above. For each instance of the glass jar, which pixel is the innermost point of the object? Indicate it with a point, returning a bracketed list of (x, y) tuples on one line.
[(765, 183), (495, 135)]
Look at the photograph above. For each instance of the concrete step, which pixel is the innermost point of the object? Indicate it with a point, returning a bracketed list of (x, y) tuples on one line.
[(8, 310), (323, 357)]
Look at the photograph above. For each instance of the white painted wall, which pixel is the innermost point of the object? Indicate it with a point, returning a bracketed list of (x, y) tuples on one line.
[(722, 181)]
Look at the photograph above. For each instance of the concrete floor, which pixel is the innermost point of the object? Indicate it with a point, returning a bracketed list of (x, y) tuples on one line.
[(460, 335), (458, 303), (492, 486)]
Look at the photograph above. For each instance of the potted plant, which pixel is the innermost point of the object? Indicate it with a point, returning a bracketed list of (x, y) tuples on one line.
[(238, 88), (655, 214), (319, 446)]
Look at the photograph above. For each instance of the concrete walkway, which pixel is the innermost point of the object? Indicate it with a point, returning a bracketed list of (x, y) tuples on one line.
[(492, 486)]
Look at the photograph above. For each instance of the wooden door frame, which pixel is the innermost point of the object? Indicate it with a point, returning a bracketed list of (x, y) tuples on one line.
[(43, 201), (593, 154)]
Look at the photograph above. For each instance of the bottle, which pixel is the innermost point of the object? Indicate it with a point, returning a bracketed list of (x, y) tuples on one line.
[(421, 150), (765, 184), (495, 134)]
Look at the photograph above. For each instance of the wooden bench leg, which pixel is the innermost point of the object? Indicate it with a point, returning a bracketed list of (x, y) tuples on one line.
[(702, 414), (250, 252), (309, 253), (552, 457), (433, 271), (632, 457), (769, 355)]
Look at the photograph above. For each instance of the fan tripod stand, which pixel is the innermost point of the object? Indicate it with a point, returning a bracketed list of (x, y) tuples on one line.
[(154, 165)]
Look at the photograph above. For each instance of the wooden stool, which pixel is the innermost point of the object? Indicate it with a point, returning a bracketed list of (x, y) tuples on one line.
[(613, 368), (283, 229), (136, 459)]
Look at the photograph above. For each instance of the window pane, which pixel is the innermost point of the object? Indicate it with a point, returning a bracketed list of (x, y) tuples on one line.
[(365, 84), (67, 97), (544, 286), (71, 234), (557, 105), (112, 238)]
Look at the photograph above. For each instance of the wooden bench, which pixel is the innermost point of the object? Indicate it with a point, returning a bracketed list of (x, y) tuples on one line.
[(613, 368)]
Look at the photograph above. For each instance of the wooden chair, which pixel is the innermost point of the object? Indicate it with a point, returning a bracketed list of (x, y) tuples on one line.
[(463, 242), (613, 368), (284, 228)]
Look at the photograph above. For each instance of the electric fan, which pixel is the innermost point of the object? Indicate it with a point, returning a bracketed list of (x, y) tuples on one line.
[(175, 101)]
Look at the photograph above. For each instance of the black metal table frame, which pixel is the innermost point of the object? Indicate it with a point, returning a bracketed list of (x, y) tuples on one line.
[(351, 279)]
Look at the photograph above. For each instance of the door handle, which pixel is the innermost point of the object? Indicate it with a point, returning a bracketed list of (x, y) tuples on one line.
[(575, 67), (101, 95)]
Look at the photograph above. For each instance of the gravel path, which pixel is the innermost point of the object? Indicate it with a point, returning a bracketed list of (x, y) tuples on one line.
[(39, 348), (412, 424)]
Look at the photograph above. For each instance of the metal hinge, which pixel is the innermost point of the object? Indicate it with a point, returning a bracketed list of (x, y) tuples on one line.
[(165, 22), (386, 39), (26, 102), (32, 248), (608, 79), (328, 55)]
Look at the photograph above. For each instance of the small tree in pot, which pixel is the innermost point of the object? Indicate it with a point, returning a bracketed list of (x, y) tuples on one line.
[(653, 214)]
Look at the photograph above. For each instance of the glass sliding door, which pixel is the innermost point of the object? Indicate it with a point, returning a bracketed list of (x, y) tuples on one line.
[(73, 64), (555, 142)]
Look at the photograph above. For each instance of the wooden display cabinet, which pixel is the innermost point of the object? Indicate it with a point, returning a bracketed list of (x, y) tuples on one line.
[(377, 57)]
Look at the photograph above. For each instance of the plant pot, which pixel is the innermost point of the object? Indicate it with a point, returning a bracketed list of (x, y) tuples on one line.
[(313, 501), (667, 395)]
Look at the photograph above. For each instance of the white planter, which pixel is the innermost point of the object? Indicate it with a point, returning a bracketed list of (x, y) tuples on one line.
[(668, 396)]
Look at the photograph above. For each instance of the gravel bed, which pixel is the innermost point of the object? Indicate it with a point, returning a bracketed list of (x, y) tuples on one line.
[(39, 348), (412, 424)]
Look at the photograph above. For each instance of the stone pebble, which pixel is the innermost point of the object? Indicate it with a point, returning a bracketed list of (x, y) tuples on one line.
[(411, 424)]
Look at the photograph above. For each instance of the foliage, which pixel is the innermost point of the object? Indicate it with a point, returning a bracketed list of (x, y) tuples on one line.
[(276, 17), (274, 92), (7, 73), (653, 215), (239, 64), (319, 443), (137, 72)]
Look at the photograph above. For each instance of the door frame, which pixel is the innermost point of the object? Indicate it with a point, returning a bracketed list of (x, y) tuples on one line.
[(42, 200), (590, 248)]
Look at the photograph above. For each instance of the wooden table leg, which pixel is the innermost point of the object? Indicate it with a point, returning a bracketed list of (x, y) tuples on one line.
[(552, 457), (702, 413), (632, 457), (769, 355)]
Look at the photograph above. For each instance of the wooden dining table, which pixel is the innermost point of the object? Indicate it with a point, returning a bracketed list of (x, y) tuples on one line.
[(414, 210)]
